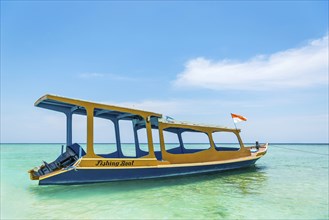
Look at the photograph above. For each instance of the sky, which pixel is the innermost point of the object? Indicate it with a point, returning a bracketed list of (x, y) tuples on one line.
[(195, 61)]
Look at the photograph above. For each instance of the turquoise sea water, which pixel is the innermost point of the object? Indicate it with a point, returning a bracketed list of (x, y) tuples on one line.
[(288, 183)]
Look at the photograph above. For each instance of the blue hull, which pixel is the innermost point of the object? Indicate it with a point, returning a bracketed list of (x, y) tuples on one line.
[(83, 176)]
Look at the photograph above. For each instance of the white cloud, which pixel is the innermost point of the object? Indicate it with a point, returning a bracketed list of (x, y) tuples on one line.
[(298, 67)]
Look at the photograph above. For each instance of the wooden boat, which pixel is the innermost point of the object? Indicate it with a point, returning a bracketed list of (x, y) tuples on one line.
[(80, 166)]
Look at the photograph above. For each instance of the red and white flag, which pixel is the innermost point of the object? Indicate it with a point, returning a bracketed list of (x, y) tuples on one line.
[(238, 118)]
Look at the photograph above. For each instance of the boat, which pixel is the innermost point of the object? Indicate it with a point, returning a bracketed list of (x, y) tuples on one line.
[(82, 165)]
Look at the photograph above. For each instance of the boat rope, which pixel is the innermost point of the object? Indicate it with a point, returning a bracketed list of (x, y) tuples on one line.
[(304, 151)]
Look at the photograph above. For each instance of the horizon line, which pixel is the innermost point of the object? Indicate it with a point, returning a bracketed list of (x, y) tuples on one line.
[(322, 143)]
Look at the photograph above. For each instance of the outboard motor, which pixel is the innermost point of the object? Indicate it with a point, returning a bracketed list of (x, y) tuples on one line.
[(68, 158)]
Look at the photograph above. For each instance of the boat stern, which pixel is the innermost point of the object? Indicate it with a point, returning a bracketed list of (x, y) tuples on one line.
[(33, 175), (64, 161)]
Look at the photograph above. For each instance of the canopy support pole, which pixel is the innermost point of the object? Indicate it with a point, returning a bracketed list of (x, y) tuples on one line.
[(68, 128), (117, 136), (90, 132), (149, 137), (181, 144), (138, 150)]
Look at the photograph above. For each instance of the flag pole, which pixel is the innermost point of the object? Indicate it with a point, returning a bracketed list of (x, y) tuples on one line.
[(235, 126), (234, 122)]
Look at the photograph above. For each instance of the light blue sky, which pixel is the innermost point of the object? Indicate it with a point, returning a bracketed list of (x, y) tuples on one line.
[(195, 61)]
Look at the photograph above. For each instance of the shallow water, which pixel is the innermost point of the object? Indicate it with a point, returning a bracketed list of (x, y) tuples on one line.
[(285, 184)]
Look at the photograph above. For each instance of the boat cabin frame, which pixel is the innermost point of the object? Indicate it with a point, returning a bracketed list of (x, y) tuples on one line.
[(140, 119)]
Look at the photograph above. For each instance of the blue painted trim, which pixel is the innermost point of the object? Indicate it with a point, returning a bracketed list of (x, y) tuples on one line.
[(83, 176)]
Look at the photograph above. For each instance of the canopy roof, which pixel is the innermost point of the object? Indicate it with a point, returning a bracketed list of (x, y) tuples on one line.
[(76, 106)]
